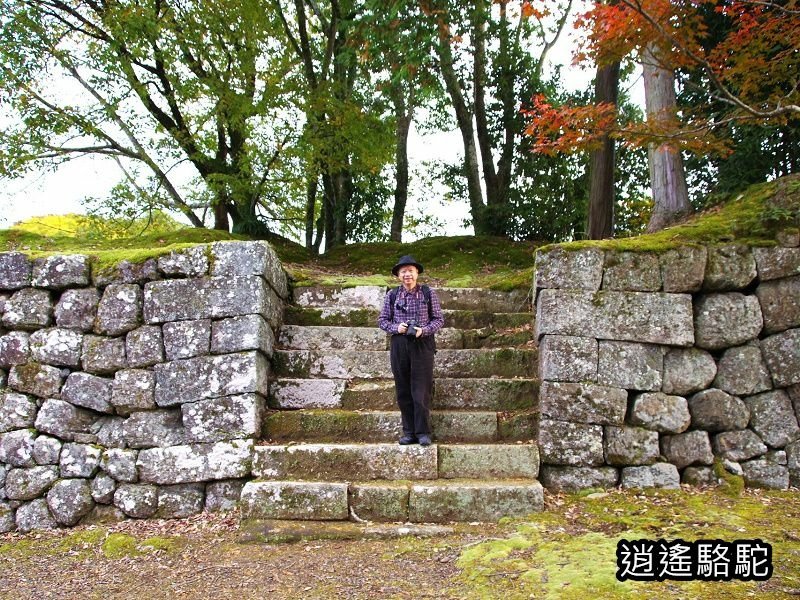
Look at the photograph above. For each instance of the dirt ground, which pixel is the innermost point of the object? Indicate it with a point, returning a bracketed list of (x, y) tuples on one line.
[(207, 559)]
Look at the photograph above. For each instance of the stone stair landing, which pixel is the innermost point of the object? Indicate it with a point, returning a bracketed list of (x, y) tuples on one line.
[(330, 449)]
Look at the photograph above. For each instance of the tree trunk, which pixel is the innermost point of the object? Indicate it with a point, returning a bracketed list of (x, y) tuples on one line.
[(602, 162), (667, 176), (403, 117), (311, 202), (464, 119)]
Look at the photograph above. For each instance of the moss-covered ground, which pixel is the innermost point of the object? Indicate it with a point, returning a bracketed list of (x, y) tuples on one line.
[(567, 551)]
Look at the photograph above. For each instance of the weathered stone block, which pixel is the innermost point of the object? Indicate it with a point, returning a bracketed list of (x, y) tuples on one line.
[(742, 371), (223, 496), (35, 516), (133, 390), (127, 272), (120, 464), (16, 447), (307, 393), (631, 272), (188, 262), (104, 515), (27, 484), (661, 412), (633, 316), (571, 479), (154, 428), (729, 268), (58, 347), (88, 391), (793, 462), (180, 501), (79, 460), (772, 418), (765, 474), (442, 502), (103, 487), (560, 268), (14, 349), (7, 518), (237, 334), (63, 420), (28, 308), (213, 297), (198, 462), (17, 411), (683, 269), (59, 272), (360, 296), (738, 445), (714, 410), (687, 370), (227, 418), (631, 366), (567, 358), (47, 450), (185, 339), (102, 355), (782, 354), (726, 320), (194, 379), (120, 309), (479, 461), (775, 263), (144, 346), (352, 462), (15, 270), (110, 432), (630, 446), (572, 444), (700, 476), (294, 500), (661, 475), (380, 501), (69, 500), (684, 449), (77, 309), (139, 501), (583, 403), (237, 259), (43, 381), (780, 304)]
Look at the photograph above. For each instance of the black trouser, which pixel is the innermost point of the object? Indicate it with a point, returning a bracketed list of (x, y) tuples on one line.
[(412, 367)]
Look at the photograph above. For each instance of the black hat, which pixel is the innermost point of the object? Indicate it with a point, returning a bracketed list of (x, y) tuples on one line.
[(406, 260)]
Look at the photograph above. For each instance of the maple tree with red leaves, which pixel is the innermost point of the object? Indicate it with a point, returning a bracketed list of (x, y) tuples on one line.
[(753, 71)]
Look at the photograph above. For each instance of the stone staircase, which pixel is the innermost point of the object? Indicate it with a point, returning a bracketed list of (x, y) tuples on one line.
[(330, 447)]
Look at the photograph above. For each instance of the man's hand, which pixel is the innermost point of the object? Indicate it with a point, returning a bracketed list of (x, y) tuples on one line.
[(419, 331), (402, 328)]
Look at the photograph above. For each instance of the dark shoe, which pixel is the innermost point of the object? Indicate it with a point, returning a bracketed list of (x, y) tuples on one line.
[(424, 440), (408, 439)]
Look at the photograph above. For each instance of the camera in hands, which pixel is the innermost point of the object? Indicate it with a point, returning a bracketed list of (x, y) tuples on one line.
[(411, 331)]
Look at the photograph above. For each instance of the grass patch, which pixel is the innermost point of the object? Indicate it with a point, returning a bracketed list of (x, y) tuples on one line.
[(752, 218), (569, 551)]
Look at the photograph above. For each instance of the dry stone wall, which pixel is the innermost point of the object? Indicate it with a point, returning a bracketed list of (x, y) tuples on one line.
[(655, 365), (135, 393)]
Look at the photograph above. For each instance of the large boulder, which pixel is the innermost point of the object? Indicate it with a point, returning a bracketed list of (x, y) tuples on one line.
[(195, 463), (148, 429), (120, 309), (729, 267), (630, 446), (144, 346), (683, 269), (63, 420), (14, 349), (79, 460), (180, 501), (27, 484), (631, 366), (16, 447), (631, 271), (684, 449), (15, 270), (139, 501), (569, 269), (56, 346), (782, 355), (687, 370), (583, 403), (772, 417), (661, 412), (35, 515), (36, 379), (714, 410), (738, 445), (28, 308), (88, 391), (570, 479), (77, 309), (17, 411), (220, 419), (133, 390), (185, 339), (726, 320), (59, 272), (187, 262), (660, 475), (570, 444), (742, 371), (777, 262), (780, 304), (241, 259), (103, 355), (120, 464), (238, 334), (69, 500)]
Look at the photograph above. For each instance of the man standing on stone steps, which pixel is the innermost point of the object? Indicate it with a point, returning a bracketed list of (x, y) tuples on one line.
[(412, 314)]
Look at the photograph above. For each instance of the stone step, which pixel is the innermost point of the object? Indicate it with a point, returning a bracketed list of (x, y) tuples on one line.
[(364, 462), (472, 299), (326, 425), (390, 501), (355, 364), (349, 316), (378, 394), (319, 337)]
